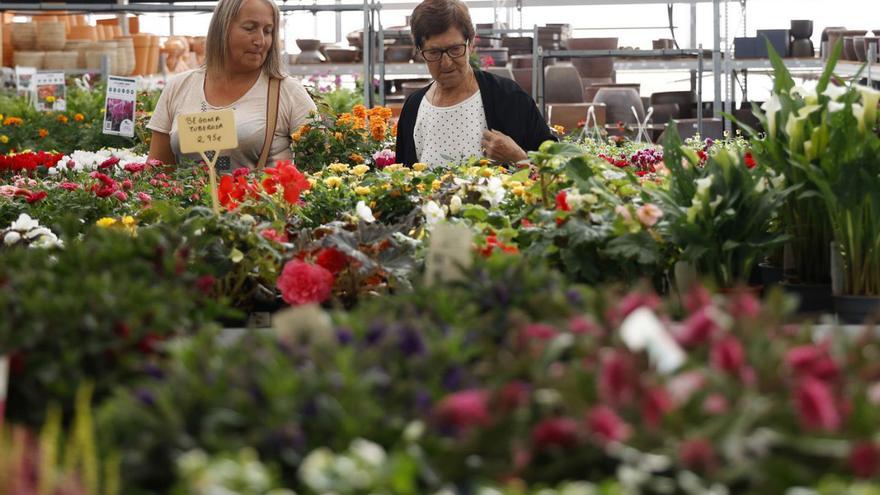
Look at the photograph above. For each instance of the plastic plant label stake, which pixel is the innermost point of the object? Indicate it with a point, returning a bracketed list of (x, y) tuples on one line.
[(119, 106), (24, 80), (208, 131), (51, 92), (450, 253), (4, 380)]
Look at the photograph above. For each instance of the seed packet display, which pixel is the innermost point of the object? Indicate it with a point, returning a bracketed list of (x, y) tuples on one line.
[(24, 80), (119, 106), (51, 91)]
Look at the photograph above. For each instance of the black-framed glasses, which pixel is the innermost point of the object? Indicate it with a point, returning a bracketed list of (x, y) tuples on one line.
[(435, 54)]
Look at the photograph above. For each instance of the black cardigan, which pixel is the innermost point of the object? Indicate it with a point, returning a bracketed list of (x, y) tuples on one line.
[(508, 109)]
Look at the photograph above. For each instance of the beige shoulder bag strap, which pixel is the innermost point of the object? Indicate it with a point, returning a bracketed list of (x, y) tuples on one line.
[(271, 119)]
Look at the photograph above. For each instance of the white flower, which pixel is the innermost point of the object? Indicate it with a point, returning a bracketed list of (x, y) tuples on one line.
[(11, 238), (24, 223), (807, 94), (703, 185), (771, 107), (834, 107), (454, 205), (38, 232), (834, 92), (859, 113), (613, 175), (368, 452), (433, 214), (493, 192), (870, 98), (642, 330), (364, 212), (807, 110), (314, 470)]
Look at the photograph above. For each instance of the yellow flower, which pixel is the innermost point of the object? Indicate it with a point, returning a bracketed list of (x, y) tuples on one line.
[(79, 117), (484, 162), (362, 191), (296, 136), (518, 190), (435, 186), (486, 172), (419, 166), (559, 129), (1, 117), (43, 133), (514, 184), (360, 170), (338, 167), (420, 187), (106, 222), (128, 220), (338, 136), (333, 181), (394, 167), (50, 99), (312, 182), (4, 138)]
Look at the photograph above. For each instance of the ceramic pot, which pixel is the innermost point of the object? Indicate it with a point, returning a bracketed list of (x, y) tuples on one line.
[(684, 99), (856, 309), (802, 48), (593, 67), (831, 36), (591, 90), (812, 298), (801, 29), (849, 50), (398, 54), (309, 53), (860, 49), (339, 55), (619, 103)]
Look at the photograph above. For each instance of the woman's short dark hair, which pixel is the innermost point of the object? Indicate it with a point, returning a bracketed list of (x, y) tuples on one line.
[(433, 17)]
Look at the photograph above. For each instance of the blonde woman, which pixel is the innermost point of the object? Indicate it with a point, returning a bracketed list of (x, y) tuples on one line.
[(242, 71)]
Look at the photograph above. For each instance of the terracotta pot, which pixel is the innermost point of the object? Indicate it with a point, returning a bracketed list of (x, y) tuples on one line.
[(152, 56), (593, 67), (619, 103), (339, 55), (801, 29)]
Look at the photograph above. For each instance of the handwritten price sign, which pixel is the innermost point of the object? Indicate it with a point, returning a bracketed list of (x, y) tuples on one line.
[(208, 131)]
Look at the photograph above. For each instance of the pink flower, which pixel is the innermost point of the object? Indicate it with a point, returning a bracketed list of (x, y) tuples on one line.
[(684, 385), (273, 235), (864, 460), (649, 214), (816, 405), (745, 305), (135, 167), (144, 197), (697, 454), (108, 163), (8, 191), (126, 184), (69, 186), (70, 164), (552, 433), (728, 355), (697, 298), (513, 395), (698, 329), (463, 410), (716, 404), (304, 283), (624, 212), (120, 195), (617, 379), (606, 425), (812, 360), (582, 325), (632, 302), (383, 158), (655, 404)]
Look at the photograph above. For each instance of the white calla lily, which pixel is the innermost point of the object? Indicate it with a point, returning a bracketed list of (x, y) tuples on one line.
[(807, 110), (834, 106), (834, 92), (870, 99), (859, 113), (771, 107)]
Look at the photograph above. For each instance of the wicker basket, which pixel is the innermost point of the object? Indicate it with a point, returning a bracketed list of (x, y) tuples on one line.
[(125, 52), (60, 60), (24, 36), (98, 50), (52, 36), (77, 49), (28, 59)]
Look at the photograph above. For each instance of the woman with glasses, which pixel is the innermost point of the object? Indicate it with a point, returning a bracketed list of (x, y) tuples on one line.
[(463, 112)]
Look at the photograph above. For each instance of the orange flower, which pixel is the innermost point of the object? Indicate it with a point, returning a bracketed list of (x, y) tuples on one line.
[(344, 119), (43, 133), (338, 136), (359, 111), (378, 130), (12, 121), (62, 118), (394, 130), (360, 123), (356, 158), (79, 117)]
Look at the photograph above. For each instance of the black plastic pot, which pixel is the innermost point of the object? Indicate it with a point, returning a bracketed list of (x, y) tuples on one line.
[(813, 298), (856, 309), (771, 274)]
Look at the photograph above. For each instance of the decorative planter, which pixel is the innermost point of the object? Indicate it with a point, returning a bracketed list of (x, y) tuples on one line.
[(310, 52), (593, 67), (53, 36), (856, 309), (813, 298), (23, 36), (619, 103)]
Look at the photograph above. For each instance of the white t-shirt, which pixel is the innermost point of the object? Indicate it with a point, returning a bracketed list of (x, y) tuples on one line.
[(185, 93), (446, 135)]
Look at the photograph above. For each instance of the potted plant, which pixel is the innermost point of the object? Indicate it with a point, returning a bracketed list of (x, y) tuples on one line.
[(720, 212)]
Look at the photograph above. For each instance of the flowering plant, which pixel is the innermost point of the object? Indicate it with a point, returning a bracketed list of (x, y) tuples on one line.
[(350, 138), (720, 213)]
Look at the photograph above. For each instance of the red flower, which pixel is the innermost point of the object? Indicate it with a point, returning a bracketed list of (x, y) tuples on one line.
[(69, 186), (655, 404), (697, 454), (33, 197), (493, 243), (816, 405), (304, 283), (618, 378), (134, 167), (607, 426), (290, 178), (698, 329), (745, 305), (463, 410), (513, 395), (728, 355), (108, 163), (120, 195), (750, 160), (552, 433), (812, 361), (864, 460), (561, 203), (582, 325), (270, 185), (144, 197), (536, 332), (205, 284), (332, 259), (273, 235), (240, 172), (715, 404), (632, 302)]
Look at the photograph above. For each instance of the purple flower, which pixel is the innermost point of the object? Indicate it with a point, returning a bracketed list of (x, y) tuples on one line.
[(374, 333), (410, 342), (453, 378), (145, 396), (344, 336)]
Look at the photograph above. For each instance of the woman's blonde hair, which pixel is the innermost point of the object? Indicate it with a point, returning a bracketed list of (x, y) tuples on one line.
[(217, 42)]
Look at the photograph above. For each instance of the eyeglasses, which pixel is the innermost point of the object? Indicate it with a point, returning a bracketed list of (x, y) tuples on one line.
[(435, 54)]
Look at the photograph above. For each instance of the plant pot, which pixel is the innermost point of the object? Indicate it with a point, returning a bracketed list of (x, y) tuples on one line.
[(310, 53), (619, 103), (593, 67), (857, 309), (813, 298), (771, 274), (802, 48), (341, 55), (801, 29), (398, 54)]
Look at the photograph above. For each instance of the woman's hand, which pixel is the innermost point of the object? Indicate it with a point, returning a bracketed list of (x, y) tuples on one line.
[(160, 148), (501, 148)]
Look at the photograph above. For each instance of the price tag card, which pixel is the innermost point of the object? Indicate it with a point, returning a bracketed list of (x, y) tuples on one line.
[(24, 79), (450, 251), (207, 131), (119, 106), (51, 91)]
